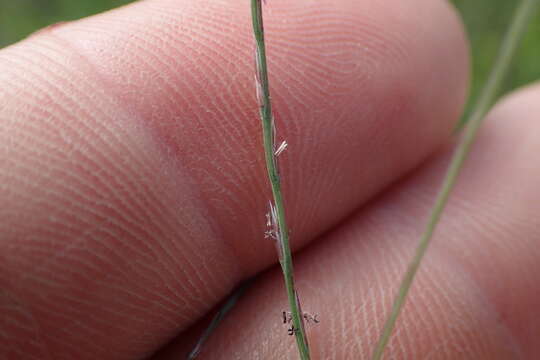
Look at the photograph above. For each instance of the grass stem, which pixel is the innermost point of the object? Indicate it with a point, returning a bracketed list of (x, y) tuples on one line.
[(487, 97), (229, 304), (282, 233)]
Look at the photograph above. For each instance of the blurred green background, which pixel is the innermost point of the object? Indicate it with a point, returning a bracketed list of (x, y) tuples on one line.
[(485, 20)]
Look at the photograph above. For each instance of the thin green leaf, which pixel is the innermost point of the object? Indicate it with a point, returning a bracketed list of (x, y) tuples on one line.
[(488, 95), (216, 320)]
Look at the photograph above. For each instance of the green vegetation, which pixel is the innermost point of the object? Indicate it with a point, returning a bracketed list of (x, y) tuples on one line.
[(19, 18), (486, 98), (486, 21)]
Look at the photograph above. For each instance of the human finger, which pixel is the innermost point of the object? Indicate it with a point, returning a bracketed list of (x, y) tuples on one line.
[(476, 294), (133, 185)]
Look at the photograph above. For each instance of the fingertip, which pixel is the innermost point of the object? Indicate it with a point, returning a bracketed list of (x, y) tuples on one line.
[(374, 84)]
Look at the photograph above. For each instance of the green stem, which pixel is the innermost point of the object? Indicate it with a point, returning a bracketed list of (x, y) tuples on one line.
[(273, 175), (518, 26), (216, 320)]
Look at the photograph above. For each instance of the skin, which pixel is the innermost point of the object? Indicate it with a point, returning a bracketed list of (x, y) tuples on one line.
[(133, 186)]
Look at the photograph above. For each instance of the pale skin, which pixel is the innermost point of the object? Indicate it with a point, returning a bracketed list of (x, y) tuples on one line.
[(134, 195)]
